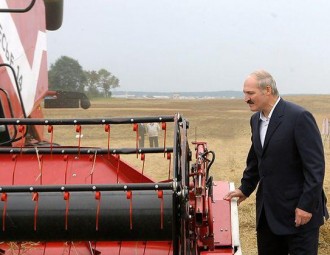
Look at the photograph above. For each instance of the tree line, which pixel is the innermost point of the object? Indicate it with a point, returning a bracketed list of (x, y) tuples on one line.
[(68, 75)]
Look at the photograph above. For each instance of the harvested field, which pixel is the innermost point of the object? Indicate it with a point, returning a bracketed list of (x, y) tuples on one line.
[(223, 124)]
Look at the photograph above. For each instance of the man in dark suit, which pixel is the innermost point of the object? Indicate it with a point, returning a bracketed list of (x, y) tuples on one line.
[(286, 162), (141, 133)]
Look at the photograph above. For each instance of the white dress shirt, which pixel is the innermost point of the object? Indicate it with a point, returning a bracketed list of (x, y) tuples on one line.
[(265, 122)]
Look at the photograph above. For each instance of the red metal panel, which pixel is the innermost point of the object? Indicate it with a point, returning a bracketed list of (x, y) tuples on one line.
[(220, 189), (222, 223), (218, 252), (222, 217)]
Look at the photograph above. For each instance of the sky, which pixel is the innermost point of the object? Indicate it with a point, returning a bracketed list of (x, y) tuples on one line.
[(199, 45)]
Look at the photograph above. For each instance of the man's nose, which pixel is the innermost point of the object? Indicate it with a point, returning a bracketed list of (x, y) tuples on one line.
[(246, 98)]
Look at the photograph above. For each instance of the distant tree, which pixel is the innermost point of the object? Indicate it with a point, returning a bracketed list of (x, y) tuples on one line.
[(66, 74), (100, 83), (107, 81), (92, 82)]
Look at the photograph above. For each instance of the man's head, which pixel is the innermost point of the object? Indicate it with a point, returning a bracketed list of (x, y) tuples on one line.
[(260, 91)]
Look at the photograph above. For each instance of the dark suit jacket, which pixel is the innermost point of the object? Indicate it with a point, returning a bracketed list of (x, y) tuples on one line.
[(289, 169)]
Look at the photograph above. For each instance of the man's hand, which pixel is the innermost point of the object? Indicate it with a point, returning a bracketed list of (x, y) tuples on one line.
[(236, 193), (302, 217)]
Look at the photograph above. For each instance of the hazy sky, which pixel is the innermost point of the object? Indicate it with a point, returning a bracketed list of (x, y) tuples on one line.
[(199, 45)]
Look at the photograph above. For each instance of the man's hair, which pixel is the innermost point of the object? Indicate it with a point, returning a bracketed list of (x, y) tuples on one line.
[(265, 79)]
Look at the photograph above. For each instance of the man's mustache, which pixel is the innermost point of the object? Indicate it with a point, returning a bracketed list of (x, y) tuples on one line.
[(250, 102)]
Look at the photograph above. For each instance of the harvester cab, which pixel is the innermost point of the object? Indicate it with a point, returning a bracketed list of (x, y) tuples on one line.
[(86, 200)]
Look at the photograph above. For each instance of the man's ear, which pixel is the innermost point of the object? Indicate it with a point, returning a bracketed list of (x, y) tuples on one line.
[(268, 90)]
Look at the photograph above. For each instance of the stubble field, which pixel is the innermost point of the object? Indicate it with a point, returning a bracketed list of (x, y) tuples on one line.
[(222, 123)]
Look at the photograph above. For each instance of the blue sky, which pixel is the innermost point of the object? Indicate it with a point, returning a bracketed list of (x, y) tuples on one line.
[(199, 45)]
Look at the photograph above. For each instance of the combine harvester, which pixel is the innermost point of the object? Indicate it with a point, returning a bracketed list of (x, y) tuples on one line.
[(48, 206)]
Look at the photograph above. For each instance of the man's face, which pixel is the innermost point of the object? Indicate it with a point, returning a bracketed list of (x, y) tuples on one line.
[(253, 95)]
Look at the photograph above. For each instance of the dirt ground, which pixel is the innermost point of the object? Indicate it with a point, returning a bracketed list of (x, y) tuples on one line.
[(222, 123)]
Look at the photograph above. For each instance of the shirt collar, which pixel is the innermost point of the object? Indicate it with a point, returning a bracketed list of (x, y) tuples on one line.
[(263, 117)]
